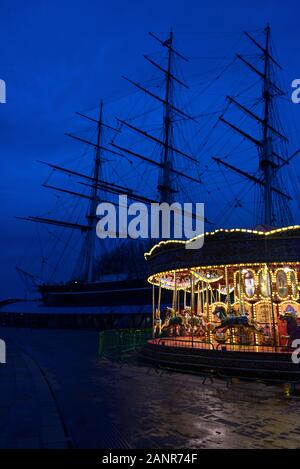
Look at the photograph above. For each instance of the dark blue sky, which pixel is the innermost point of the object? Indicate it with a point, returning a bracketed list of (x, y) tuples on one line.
[(62, 56)]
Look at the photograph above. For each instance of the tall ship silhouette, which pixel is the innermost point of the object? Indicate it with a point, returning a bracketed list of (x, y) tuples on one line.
[(165, 152)]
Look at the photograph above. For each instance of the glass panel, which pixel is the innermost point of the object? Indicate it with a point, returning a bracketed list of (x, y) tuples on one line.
[(264, 283), (249, 284), (281, 284), (294, 284)]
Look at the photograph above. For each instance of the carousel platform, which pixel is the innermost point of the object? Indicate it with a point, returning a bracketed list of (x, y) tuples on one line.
[(185, 354)]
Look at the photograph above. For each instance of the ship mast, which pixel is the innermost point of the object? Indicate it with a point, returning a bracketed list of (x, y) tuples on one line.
[(165, 189), (91, 217), (165, 185), (270, 161), (95, 181), (266, 160)]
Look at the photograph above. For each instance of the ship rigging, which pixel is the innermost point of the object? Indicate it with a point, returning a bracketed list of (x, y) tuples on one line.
[(175, 163)]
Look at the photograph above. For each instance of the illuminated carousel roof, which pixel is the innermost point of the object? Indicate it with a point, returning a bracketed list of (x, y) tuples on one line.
[(225, 247)]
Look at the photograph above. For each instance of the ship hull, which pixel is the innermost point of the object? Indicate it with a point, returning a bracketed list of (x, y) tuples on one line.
[(117, 293), (99, 305)]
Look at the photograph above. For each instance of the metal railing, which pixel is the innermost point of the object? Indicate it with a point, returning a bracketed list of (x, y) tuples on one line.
[(185, 343), (253, 348), (224, 346)]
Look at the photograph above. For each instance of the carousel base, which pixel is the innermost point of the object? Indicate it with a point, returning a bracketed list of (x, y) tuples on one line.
[(189, 355)]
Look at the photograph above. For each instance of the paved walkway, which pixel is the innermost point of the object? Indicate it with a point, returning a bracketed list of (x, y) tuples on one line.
[(108, 406), (28, 413)]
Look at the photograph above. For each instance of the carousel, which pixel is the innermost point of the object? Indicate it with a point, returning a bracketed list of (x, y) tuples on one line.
[(232, 305)]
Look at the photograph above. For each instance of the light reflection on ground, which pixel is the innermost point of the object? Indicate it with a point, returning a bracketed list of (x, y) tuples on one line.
[(108, 405)]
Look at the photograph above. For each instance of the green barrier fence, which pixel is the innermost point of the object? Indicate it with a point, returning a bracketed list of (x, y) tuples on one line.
[(115, 344)]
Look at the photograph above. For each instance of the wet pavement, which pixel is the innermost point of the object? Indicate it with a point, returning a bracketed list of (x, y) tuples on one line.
[(56, 392)]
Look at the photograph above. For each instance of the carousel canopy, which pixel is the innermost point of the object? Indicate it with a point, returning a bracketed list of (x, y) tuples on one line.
[(227, 247)]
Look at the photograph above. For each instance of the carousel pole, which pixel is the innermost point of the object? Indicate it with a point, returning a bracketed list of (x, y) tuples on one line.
[(153, 310), (192, 294), (207, 302), (184, 299), (240, 290), (207, 309), (198, 300), (269, 280), (227, 289), (174, 294), (192, 307), (159, 298), (227, 294), (175, 280), (213, 299), (202, 297)]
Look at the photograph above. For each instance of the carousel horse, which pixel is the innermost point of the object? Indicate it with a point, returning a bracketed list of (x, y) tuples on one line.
[(220, 313), (230, 319), (239, 324), (173, 324), (167, 314), (170, 312)]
